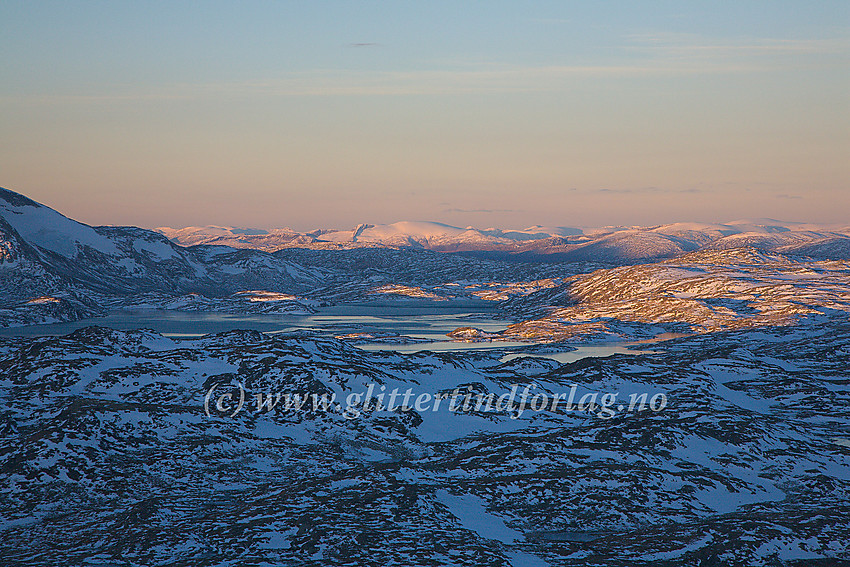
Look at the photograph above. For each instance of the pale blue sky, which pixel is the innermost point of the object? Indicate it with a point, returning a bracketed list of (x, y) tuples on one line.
[(309, 114)]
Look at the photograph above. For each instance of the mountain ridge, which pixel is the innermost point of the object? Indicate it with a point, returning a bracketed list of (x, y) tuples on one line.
[(608, 244)]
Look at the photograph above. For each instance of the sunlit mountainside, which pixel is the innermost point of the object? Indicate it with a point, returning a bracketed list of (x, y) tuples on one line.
[(607, 244)]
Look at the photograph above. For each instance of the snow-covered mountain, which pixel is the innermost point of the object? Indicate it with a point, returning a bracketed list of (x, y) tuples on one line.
[(46, 254), (618, 245), (420, 234)]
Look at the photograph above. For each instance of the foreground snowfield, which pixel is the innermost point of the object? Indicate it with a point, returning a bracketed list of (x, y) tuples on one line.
[(109, 457)]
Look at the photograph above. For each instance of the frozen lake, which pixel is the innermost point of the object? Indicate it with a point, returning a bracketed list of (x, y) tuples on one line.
[(425, 323)]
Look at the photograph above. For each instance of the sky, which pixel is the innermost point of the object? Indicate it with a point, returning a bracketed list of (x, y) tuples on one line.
[(490, 113)]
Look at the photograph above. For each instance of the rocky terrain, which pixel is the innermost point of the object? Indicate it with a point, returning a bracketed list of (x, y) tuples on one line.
[(701, 292), (108, 455)]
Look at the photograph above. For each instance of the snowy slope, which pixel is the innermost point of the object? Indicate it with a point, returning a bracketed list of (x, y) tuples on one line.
[(43, 227)]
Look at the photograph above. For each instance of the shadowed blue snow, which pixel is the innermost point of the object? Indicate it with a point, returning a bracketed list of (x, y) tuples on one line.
[(472, 514)]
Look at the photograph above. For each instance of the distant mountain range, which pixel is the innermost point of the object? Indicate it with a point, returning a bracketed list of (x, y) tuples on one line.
[(608, 244)]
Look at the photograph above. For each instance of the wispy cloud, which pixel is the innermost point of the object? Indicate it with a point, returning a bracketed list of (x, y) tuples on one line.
[(552, 20), (486, 211), (631, 190), (659, 55), (690, 45), (334, 82)]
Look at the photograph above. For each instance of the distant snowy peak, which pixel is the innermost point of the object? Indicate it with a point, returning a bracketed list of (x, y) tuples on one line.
[(269, 240), (419, 234), (427, 231), (620, 244)]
